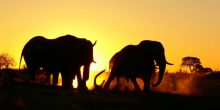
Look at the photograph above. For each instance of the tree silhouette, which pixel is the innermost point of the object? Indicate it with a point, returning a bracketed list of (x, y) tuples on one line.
[(191, 63), (194, 65), (6, 61), (201, 69)]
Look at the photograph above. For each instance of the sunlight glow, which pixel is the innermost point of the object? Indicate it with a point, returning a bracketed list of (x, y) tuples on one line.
[(94, 67), (59, 83), (75, 83), (59, 80), (90, 82)]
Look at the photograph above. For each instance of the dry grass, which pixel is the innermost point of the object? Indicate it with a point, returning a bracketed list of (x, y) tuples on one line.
[(191, 84)]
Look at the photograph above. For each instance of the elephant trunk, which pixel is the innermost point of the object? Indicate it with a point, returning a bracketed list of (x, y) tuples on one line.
[(86, 70), (162, 65)]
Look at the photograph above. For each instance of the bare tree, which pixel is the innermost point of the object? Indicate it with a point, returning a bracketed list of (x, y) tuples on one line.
[(191, 63), (6, 61)]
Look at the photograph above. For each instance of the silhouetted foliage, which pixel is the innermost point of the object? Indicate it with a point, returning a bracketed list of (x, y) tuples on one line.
[(190, 62), (6, 61), (201, 69), (194, 65)]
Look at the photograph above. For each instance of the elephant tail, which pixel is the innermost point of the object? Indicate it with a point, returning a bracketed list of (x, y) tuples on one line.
[(20, 60), (95, 84)]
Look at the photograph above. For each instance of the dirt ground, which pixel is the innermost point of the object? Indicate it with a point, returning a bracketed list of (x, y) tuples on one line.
[(176, 92), (22, 96)]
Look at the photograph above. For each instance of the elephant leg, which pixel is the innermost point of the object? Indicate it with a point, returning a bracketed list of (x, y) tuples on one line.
[(81, 82), (47, 80), (67, 80), (118, 84), (133, 79), (32, 72), (146, 80), (64, 78), (146, 86), (55, 78), (107, 84), (48, 77)]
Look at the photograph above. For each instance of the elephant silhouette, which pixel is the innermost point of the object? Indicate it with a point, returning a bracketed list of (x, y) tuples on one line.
[(140, 60), (65, 54)]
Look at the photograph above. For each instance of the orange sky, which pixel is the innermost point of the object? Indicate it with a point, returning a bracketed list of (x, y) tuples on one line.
[(185, 27)]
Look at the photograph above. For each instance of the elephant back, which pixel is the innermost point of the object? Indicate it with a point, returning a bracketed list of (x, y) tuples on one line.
[(35, 48), (152, 45), (73, 49)]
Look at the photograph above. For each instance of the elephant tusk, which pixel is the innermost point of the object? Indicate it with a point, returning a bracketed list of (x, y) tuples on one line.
[(94, 43), (169, 63)]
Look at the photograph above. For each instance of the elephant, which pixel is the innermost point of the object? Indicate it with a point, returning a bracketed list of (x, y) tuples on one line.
[(65, 54), (140, 60)]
